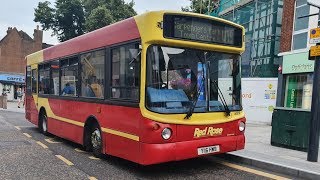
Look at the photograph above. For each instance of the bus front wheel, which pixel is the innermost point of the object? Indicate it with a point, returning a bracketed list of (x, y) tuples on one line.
[(96, 141), (43, 124)]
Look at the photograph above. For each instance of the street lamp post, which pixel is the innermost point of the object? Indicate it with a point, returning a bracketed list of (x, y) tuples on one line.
[(313, 148)]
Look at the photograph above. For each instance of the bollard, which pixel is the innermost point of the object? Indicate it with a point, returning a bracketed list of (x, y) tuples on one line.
[(1, 101), (4, 102)]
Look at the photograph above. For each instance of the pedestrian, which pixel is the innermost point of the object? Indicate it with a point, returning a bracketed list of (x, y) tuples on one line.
[(19, 95)]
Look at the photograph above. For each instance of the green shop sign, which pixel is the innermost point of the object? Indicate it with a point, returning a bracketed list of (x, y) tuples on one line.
[(297, 63), (292, 92)]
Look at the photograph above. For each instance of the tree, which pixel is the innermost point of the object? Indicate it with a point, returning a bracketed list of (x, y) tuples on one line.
[(95, 9), (98, 18), (71, 18), (200, 6), (66, 19)]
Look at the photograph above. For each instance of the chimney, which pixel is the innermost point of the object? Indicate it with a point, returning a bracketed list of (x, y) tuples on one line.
[(37, 37), (9, 29)]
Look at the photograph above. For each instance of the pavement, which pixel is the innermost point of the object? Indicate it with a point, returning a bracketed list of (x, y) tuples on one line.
[(259, 153), (13, 107)]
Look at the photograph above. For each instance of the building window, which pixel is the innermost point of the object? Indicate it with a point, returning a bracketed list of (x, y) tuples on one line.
[(54, 83), (126, 72), (300, 31), (34, 77), (92, 74), (300, 40), (298, 92), (69, 77)]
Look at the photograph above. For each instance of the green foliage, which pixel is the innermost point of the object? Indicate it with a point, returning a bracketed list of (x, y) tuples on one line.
[(66, 19), (118, 9), (71, 18), (98, 18), (44, 14), (199, 6)]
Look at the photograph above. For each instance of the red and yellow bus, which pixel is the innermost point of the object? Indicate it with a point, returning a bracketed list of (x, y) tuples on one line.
[(158, 87)]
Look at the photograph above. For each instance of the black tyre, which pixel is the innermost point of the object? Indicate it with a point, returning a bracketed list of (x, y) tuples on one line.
[(96, 141), (43, 124)]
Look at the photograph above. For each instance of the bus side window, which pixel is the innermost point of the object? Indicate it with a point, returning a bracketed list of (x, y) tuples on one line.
[(92, 74), (69, 76), (125, 80), (34, 79)]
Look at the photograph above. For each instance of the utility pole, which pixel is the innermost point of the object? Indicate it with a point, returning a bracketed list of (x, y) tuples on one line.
[(313, 149)]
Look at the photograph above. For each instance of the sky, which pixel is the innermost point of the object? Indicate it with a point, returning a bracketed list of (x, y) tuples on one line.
[(20, 14)]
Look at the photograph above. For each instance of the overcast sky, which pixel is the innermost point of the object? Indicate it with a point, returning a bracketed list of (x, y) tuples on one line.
[(20, 14)]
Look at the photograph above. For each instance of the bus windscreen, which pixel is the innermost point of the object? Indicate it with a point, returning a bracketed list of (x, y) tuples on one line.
[(201, 30)]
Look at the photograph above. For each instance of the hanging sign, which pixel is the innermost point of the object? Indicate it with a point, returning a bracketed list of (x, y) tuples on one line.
[(314, 36), (315, 51)]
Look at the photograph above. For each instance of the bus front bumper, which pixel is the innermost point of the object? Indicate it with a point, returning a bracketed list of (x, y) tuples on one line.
[(158, 153)]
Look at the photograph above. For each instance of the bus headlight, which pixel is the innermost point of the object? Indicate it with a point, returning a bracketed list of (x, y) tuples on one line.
[(166, 133), (242, 126)]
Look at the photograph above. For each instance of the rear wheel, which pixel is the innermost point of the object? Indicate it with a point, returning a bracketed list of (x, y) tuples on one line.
[(96, 141), (43, 125)]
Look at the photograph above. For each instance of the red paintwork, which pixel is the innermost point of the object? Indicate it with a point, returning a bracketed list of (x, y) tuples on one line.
[(158, 153), (31, 110), (116, 33), (151, 148)]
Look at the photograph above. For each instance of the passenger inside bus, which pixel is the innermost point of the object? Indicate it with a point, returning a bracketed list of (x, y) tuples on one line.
[(96, 87), (68, 90), (88, 92)]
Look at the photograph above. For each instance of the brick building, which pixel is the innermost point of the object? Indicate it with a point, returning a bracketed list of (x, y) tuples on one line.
[(13, 49), (296, 75)]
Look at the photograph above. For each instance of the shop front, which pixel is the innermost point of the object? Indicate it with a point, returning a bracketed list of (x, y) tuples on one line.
[(291, 117), (9, 85)]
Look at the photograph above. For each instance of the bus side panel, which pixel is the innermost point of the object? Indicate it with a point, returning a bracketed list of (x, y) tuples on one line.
[(124, 120), (32, 114), (67, 109), (27, 106), (118, 119), (68, 131)]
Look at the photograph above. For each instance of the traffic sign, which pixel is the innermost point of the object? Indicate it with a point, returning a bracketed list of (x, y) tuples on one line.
[(314, 36), (315, 51)]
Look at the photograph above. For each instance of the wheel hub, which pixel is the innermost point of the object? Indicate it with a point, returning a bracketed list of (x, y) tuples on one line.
[(96, 138), (44, 125)]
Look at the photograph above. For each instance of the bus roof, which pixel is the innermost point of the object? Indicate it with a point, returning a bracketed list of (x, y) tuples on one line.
[(141, 26)]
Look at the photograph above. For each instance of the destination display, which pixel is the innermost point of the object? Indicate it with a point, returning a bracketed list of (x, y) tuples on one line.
[(203, 30)]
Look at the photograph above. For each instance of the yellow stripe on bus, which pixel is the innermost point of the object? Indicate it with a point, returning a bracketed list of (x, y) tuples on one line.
[(45, 103), (119, 133)]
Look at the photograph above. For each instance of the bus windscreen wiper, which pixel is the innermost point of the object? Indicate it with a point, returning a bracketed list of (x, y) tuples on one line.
[(195, 100), (226, 108)]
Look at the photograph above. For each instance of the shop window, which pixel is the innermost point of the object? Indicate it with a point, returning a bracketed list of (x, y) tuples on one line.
[(298, 93), (34, 78), (69, 77), (44, 79), (126, 72), (92, 74)]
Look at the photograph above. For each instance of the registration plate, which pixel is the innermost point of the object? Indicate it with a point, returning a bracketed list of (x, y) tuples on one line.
[(208, 150)]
